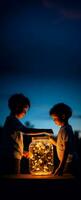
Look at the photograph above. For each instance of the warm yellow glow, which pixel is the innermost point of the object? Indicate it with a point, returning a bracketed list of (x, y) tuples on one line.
[(41, 161)]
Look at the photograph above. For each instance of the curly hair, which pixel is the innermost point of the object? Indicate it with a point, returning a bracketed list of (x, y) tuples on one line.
[(61, 109), (17, 102)]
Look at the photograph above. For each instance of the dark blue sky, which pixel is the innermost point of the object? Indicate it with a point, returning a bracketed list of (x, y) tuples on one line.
[(40, 56)]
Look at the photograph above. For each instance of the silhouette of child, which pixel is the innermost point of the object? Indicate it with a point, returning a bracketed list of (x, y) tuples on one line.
[(13, 131), (68, 159)]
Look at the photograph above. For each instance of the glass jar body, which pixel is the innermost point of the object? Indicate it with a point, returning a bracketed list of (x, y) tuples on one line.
[(42, 159)]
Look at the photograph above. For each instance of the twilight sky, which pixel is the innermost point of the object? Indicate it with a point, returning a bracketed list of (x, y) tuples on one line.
[(40, 56)]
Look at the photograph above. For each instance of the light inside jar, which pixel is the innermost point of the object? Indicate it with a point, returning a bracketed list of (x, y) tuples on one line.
[(41, 161)]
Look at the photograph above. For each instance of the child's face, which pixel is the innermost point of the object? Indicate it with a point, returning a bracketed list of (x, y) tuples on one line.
[(23, 113), (57, 120)]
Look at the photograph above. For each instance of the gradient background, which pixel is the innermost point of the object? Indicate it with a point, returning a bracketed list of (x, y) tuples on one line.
[(40, 56)]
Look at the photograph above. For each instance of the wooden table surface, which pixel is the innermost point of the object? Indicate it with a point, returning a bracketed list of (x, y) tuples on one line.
[(25, 185), (30, 176)]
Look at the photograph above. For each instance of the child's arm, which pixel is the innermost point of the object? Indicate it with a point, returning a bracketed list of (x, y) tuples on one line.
[(59, 170), (36, 131), (18, 126)]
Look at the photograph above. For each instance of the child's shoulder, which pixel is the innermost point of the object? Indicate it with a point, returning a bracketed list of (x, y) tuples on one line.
[(66, 129)]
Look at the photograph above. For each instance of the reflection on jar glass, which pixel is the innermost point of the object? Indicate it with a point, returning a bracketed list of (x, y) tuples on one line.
[(41, 161)]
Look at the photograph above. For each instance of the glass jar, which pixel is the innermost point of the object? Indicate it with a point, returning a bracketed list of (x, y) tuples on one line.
[(42, 154)]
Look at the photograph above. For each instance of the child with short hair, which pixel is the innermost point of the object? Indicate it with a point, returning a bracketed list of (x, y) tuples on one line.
[(13, 131), (68, 159)]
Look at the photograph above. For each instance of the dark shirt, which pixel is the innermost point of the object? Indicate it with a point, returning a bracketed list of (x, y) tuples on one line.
[(13, 131)]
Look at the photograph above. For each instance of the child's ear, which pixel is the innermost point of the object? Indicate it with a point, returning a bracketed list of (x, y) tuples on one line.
[(63, 116)]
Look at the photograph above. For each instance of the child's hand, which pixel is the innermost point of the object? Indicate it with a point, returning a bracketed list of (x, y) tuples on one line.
[(27, 154), (51, 140), (58, 172)]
